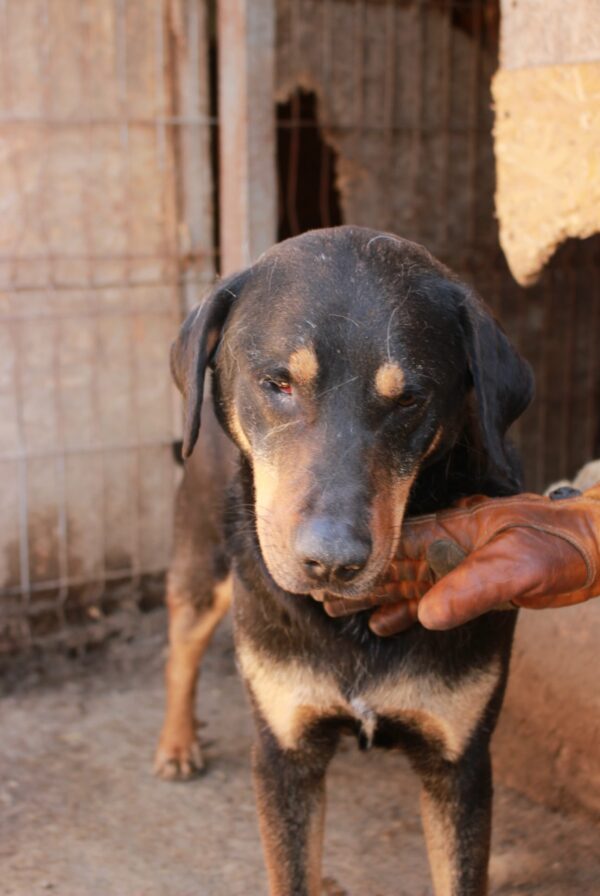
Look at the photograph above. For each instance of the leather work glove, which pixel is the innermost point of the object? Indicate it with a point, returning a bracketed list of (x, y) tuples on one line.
[(487, 554)]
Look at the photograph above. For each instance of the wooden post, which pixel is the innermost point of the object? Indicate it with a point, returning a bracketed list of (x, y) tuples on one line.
[(248, 187), (189, 24)]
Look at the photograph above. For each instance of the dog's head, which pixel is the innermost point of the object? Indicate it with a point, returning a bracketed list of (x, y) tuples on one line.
[(345, 362)]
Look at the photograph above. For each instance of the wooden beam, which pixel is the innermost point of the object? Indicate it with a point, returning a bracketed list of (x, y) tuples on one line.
[(189, 25), (248, 186)]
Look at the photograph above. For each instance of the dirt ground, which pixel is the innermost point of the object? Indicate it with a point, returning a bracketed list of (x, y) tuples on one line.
[(82, 814)]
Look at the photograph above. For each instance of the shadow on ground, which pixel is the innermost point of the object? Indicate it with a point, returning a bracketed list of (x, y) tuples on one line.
[(81, 814)]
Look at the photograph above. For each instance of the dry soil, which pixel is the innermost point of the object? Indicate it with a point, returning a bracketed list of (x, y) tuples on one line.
[(82, 814)]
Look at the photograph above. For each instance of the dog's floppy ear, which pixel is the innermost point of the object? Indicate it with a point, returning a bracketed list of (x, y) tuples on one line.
[(195, 347), (502, 379)]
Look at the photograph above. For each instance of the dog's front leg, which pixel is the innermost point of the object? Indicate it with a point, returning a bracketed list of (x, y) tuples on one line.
[(290, 791), (456, 805)]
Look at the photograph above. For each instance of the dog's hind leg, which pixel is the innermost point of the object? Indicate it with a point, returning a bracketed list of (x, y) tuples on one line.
[(290, 790), (198, 593), (191, 626)]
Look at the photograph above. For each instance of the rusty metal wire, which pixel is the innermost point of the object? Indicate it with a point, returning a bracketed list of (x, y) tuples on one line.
[(97, 101), (397, 94), (106, 179)]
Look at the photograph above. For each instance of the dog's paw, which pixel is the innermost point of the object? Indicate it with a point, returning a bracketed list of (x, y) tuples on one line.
[(332, 888), (178, 759)]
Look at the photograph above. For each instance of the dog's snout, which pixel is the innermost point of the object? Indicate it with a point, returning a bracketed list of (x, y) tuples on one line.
[(331, 550)]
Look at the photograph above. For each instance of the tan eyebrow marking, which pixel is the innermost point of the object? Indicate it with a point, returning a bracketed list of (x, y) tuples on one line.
[(434, 442), (389, 380), (303, 365)]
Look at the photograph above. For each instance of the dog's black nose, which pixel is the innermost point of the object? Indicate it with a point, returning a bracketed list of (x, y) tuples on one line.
[(331, 550)]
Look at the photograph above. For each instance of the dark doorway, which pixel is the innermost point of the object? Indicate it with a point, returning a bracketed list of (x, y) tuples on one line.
[(306, 169)]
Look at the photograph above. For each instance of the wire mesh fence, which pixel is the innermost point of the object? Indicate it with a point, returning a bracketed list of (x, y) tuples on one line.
[(391, 101), (101, 106), (107, 176)]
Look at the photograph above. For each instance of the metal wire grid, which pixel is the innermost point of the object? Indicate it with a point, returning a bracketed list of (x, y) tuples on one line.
[(398, 93), (400, 117), (402, 91), (556, 325), (93, 251)]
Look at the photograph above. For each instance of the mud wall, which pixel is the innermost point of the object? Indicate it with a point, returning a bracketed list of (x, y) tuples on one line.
[(547, 129), (547, 134)]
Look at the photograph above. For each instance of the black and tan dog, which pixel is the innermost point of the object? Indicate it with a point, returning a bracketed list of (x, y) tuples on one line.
[(360, 381)]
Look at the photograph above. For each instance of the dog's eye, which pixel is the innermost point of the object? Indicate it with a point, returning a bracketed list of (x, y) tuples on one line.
[(277, 384), (406, 400)]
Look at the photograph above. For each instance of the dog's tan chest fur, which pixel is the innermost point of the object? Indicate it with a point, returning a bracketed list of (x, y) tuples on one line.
[(290, 696)]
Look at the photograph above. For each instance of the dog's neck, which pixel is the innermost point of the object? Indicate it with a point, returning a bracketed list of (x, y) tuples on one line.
[(463, 470)]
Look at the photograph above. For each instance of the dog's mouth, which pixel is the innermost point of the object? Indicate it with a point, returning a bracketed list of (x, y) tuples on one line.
[(324, 557), (373, 594)]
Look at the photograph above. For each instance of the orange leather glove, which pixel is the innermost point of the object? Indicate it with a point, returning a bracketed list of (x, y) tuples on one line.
[(525, 551)]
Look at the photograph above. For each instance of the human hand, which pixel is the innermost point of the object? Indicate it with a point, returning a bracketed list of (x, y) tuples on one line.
[(525, 551)]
